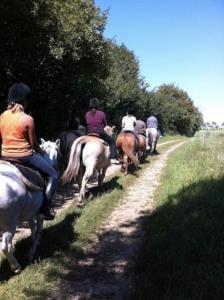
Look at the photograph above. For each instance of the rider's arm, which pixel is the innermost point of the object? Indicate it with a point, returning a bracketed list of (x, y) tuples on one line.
[(30, 126), (0, 131), (0, 137), (123, 122), (105, 120)]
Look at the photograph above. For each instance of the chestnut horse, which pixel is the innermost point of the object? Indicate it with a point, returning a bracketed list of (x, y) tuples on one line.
[(127, 147)]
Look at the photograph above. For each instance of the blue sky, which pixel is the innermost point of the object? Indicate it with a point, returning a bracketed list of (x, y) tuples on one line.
[(176, 41)]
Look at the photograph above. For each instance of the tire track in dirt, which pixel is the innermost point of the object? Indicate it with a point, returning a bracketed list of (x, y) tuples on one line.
[(105, 271)]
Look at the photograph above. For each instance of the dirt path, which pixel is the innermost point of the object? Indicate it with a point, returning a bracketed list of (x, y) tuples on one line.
[(105, 270), (63, 199)]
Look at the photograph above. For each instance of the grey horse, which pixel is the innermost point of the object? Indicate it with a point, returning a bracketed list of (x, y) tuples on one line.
[(19, 203)]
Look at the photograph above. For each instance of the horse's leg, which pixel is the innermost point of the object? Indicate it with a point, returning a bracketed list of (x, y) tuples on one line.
[(125, 165), (36, 229), (101, 178), (156, 141), (7, 249), (79, 178), (152, 146), (147, 143), (155, 147), (88, 173)]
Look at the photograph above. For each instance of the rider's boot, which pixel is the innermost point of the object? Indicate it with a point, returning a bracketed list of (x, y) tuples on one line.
[(46, 209), (48, 195), (113, 156)]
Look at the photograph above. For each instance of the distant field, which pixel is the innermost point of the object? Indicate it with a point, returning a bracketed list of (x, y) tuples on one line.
[(182, 256)]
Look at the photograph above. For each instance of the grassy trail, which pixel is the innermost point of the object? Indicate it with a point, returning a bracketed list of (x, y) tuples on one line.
[(182, 255), (65, 238)]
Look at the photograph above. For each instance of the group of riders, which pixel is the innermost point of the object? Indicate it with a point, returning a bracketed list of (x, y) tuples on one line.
[(19, 143)]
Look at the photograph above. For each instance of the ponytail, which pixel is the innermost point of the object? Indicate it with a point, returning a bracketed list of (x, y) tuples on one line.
[(15, 107)]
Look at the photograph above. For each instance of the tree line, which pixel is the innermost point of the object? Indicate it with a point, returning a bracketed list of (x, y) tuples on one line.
[(58, 48)]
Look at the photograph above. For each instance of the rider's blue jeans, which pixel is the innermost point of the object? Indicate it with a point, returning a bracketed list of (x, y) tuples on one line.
[(41, 164)]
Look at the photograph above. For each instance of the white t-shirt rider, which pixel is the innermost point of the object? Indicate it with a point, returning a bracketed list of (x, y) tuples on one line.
[(128, 123)]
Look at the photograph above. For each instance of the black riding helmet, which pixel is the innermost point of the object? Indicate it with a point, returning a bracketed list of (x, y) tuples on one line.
[(18, 93), (94, 103), (130, 110)]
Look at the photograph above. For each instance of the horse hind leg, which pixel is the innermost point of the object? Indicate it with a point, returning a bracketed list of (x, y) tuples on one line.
[(152, 147), (101, 178), (36, 226), (7, 249), (88, 173)]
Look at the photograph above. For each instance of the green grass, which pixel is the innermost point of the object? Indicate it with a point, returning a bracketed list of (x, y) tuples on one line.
[(168, 137), (62, 243), (182, 255)]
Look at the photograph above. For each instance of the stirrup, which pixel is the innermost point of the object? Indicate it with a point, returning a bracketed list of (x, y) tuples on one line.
[(47, 212)]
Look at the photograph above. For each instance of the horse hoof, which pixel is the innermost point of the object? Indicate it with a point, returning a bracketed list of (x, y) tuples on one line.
[(81, 204), (17, 270)]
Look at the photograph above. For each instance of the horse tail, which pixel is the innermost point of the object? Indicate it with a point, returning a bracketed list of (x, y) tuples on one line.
[(130, 154), (74, 160)]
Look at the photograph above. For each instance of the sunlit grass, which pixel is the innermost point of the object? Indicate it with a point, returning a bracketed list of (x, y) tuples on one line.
[(168, 137), (182, 256)]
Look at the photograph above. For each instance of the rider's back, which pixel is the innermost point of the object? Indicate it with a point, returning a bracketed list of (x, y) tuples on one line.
[(15, 142), (152, 122), (95, 120)]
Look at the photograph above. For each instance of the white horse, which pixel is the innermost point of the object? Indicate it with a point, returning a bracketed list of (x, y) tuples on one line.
[(151, 139), (21, 201), (87, 154)]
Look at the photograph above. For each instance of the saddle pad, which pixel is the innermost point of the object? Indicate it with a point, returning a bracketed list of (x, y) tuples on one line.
[(94, 134), (30, 177), (136, 139)]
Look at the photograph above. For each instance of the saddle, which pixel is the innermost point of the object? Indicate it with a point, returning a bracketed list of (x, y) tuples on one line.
[(32, 178), (94, 134), (97, 135)]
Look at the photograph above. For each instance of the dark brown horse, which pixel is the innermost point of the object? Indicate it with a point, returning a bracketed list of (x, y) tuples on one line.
[(127, 147), (142, 148)]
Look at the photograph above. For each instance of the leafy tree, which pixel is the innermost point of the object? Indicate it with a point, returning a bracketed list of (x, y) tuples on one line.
[(175, 110), (124, 87), (56, 47)]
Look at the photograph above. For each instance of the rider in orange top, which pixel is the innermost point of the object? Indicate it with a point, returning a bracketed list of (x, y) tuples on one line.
[(17, 132)]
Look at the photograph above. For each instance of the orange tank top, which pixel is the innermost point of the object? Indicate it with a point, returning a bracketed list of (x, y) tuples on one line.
[(15, 141)]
